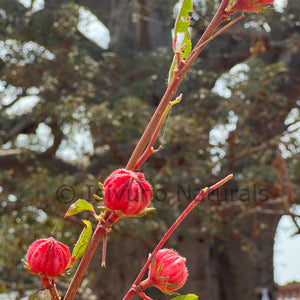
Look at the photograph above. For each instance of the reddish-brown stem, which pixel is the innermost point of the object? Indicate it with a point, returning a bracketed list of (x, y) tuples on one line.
[(110, 218), (203, 193), (169, 94), (149, 150), (220, 16), (103, 226), (143, 296), (49, 285), (138, 290), (221, 30)]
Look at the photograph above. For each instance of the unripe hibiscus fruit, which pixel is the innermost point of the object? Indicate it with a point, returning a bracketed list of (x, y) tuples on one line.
[(48, 257), (167, 271), (127, 191)]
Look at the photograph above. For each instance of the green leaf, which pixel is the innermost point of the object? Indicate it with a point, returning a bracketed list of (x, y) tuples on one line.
[(79, 206), (182, 40), (186, 46), (172, 68), (43, 295), (183, 19), (186, 297), (82, 242)]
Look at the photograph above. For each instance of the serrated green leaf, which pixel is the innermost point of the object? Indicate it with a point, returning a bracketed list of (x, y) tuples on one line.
[(79, 206), (186, 297), (43, 295), (82, 242)]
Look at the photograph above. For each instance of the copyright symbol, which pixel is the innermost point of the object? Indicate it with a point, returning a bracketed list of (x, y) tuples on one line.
[(65, 193)]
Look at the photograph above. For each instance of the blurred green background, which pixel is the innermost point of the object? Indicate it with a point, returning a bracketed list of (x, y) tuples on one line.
[(76, 96)]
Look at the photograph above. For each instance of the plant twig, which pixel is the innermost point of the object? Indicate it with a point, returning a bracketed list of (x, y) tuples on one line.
[(149, 150), (199, 47), (49, 285), (103, 226), (136, 160), (203, 193), (219, 17)]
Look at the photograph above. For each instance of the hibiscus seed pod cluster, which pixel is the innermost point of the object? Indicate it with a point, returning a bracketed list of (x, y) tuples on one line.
[(48, 257), (127, 191)]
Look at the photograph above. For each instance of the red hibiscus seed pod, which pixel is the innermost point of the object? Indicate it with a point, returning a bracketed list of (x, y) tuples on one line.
[(249, 5), (167, 271), (48, 257), (127, 191)]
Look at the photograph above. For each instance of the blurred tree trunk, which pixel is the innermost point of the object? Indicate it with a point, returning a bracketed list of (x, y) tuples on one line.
[(232, 262)]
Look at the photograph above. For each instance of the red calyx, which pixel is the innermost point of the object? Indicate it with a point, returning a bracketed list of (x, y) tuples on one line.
[(167, 271), (48, 257), (249, 5), (127, 191)]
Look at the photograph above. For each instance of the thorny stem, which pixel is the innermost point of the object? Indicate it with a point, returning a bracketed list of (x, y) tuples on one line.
[(203, 193), (219, 17), (103, 226), (49, 285)]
